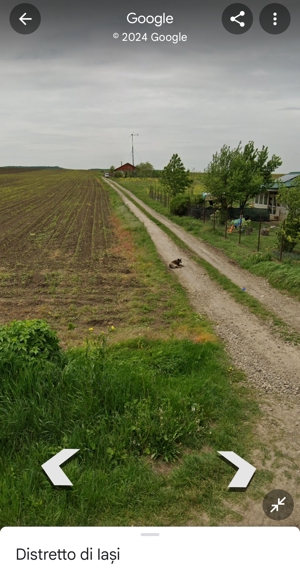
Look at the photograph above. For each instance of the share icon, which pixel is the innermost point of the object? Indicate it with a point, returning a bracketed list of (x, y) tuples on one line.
[(237, 18)]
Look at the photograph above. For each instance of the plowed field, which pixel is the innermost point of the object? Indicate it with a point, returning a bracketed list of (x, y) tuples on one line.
[(59, 256)]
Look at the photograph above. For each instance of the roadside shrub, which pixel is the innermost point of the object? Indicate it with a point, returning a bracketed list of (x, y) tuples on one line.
[(288, 234), (260, 257), (180, 204), (290, 258), (198, 200), (29, 340), (216, 216)]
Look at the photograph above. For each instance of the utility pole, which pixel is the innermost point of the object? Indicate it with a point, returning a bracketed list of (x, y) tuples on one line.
[(132, 149)]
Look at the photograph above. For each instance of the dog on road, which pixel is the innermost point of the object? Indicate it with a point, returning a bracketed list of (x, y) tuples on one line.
[(176, 264)]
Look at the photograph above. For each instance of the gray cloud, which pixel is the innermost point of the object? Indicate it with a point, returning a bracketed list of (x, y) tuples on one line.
[(71, 94)]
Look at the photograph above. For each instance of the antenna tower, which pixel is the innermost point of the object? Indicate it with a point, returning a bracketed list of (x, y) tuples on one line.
[(132, 148)]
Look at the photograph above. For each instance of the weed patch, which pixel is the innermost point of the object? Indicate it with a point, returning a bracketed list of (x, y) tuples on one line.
[(122, 405)]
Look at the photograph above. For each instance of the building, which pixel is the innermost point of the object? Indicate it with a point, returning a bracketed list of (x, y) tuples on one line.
[(268, 198), (125, 168)]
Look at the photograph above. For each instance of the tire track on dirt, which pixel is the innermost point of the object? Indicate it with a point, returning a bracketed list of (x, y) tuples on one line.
[(78, 206), (54, 222), (103, 229), (87, 225), (284, 306)]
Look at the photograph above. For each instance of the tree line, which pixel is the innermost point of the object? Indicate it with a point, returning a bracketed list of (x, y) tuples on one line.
[(233, 177)]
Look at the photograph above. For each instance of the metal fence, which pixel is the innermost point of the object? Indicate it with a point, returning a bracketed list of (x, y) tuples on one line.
[(159, 196), (200, 213), (255, 214)]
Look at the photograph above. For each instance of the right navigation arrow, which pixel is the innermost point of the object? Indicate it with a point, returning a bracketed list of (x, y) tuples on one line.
[(245, 471)]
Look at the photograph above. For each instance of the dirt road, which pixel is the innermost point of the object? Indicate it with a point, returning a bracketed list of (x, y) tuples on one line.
[(271, 365), (285, 307)]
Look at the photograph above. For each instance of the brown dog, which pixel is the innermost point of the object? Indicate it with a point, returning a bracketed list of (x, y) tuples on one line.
[(176, 264)]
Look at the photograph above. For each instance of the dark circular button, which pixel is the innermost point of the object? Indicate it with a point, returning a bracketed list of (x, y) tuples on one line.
[(274, 18), (237, 18), (25, 19), (278, 504)]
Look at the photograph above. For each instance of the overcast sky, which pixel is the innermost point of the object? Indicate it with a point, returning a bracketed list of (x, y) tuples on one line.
[(71, 94)]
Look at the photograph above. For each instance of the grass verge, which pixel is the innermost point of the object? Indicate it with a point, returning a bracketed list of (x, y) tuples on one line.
[(157, 304)]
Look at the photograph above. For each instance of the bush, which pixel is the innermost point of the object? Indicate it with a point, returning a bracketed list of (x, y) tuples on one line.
[(180, 204), (29, 340), (216, 216), (198, 200), (260, 257), (288, 234)]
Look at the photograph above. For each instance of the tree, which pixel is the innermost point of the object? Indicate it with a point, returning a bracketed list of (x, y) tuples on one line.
[(290, 228), (237, 175), (175, 178), (145, 170), (252, 172), (218, 175)]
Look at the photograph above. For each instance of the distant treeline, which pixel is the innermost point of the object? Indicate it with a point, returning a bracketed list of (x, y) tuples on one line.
[(143, 174), (15, 169)]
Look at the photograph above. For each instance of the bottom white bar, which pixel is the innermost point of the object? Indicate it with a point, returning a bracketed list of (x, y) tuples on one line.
[(150, 550)]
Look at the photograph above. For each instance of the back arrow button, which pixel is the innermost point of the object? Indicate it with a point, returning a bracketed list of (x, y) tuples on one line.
[(25, 18)]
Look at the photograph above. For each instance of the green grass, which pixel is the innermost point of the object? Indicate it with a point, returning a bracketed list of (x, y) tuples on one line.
[(281, 275), (124, 406)]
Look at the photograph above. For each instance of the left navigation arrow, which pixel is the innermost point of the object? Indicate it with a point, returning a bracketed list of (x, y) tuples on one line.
[(53, 470)]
